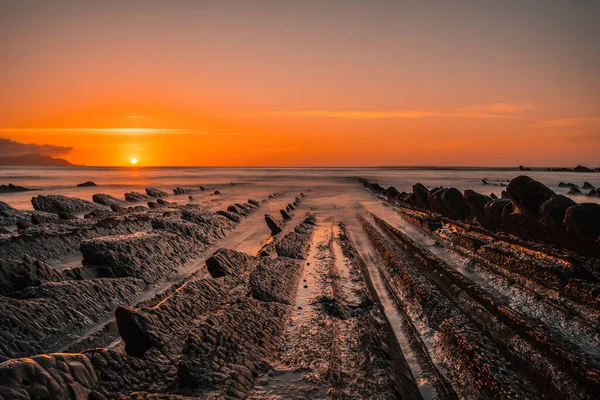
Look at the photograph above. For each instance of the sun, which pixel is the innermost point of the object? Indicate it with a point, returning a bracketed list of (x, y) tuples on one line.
[(133, 161)]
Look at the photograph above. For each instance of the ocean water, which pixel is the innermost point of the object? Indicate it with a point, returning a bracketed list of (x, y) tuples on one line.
[(248, 181)]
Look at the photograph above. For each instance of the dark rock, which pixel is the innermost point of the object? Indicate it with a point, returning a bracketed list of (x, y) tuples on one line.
[(108, 200), (527, 194), (10, 188), (493, 196), (521, 224), (99, 214), (186, 228), (587, 185), (87, 184), (276, 280), (274, 225), (17, 275), (493, 212), (476, 202), (552, 212), (574, 190), (179, 190), (62, 204), (229, 215), (455, 205), (594, 193), (285, 215), (522, 168), (484, 181), (226, 262), (22, 225), (581, 168), (202, 187), (420, 196), (583, 220), (152, 205), (391, 193), (136, 196), (216, 192), (45, 218), (154, 192), (254, 202), (567, 185)]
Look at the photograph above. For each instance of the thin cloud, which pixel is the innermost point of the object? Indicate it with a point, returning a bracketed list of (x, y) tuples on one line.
[(498, 110), (568, 122), (11, 148), (127, 131)]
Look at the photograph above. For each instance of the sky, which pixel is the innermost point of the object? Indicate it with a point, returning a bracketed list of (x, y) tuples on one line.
[(302, 83)]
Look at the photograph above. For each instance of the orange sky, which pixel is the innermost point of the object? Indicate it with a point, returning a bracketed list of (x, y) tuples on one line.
[(303, 83)]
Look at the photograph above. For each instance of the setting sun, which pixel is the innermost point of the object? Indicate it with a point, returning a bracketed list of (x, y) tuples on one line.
[(133, 161)]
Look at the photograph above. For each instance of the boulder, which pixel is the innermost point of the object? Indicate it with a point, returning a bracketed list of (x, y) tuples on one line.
[(476, 203), (527, 194), (153, 192), (216, 192), (594, 193), (10, 188), (587, 185), (87, 184), (180, 190), (581, 168), (574, 190), (136, 196), (420, 195), (493, 212), (391, 193), (552, 212), (455, 204), (274, 225), (202, 187), (62, 204), (583, 220), (108, 200)]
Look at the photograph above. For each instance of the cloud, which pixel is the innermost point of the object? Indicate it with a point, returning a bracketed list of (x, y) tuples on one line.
[(568, 122), (127, 131), (10, 147), (498, 110)]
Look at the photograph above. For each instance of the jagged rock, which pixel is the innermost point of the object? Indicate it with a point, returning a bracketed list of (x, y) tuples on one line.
[(594, 193), (165, 203), (567, 185), (212, 222), (99, 214), (581, 168), (574, 190), (87, 184), (455, 205), (59, 376), (484, 181), (179, 190), (108, 200), (420, 196), (44, 317), (61, 204), (148, 256), (553, 210), (285, 215), (274, 225), (153, 205), (183, 227), (391, 193), (275, 280), (230, 263), (202, 187), (522, 224), (493, 196), (587, 185), (583, 220), (493, 212), (310, 219), (295, 244), (51, 241), (522, 168), (527, 194), (17, 275), (476, 203), (153, 192), (136, 196), (254, 202), (10, 188), (229, 215), (45, 218)]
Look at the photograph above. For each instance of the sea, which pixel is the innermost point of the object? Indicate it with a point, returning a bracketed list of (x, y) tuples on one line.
[(248, 180)]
